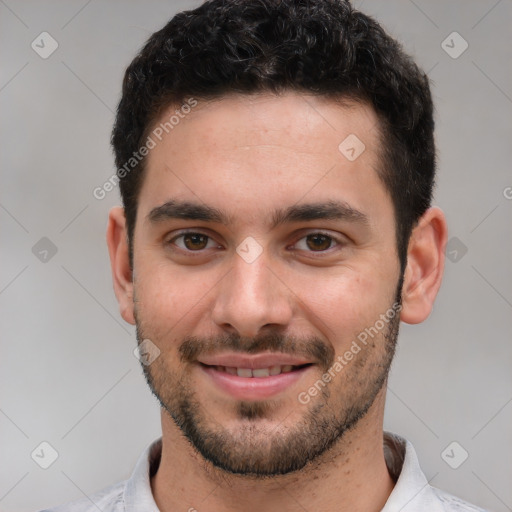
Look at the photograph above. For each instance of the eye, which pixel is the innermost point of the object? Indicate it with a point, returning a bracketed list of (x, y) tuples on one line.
[(193, 242), (196, 242), (317, 242)]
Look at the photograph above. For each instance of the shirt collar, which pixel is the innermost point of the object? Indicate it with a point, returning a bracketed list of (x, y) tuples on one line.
[(412, 492), (137, 493)]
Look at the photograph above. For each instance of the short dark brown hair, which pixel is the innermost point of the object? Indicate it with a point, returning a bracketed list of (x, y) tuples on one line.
[(323, 47)]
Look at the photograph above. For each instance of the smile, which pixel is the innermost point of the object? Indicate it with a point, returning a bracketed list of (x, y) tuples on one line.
[(253, 377), (258, 373)]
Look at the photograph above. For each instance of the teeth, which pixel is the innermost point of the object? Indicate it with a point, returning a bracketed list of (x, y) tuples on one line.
[(244, 372), (261, 372), (275, 370), (257, 372)]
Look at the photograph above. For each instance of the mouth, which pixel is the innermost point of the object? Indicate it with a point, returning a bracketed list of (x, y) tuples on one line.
[(257, 373), (254, 377)]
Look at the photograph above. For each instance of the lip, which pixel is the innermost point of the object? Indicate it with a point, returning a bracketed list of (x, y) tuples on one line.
[(253, 388), (263, 360)]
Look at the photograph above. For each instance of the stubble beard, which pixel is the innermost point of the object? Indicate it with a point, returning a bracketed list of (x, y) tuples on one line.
[(262, 444)]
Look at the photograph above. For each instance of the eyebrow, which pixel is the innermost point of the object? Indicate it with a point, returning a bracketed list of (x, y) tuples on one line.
[(329, 210)]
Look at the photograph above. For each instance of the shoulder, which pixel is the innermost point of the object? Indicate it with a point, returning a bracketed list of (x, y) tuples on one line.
[(453, 504), (403, 465), (110, 499), (131, 494)]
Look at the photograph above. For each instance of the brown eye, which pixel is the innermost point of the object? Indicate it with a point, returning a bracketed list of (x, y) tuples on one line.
[(193, 242), (318, 242)]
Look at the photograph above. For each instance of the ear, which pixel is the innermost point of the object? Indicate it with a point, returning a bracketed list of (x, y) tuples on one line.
[(425, 266), (122, 277)]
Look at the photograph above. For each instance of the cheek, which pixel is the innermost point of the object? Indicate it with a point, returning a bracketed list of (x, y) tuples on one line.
[(168, 298), (343, 306)]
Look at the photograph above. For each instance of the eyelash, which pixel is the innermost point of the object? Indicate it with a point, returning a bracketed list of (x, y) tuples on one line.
[(337, 241)]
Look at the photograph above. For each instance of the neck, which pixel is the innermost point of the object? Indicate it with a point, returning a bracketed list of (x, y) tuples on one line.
[(350, 476)]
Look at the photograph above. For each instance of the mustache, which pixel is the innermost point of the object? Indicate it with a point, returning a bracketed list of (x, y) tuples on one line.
[(312, 348)]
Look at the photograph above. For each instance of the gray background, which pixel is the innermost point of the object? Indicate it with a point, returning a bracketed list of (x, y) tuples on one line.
[(67, 372)]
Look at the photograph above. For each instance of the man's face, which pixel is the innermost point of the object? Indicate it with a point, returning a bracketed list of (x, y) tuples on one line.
[(250, 307)]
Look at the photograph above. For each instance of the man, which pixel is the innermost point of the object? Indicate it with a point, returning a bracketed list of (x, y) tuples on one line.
[(276, 163)]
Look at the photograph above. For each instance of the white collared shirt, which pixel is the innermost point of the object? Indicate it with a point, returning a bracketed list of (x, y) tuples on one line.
[(412, 492)]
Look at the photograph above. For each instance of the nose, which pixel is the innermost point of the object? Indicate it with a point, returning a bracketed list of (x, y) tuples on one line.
[(252, 297)]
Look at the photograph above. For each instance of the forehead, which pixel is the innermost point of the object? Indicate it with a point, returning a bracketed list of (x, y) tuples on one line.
[(294, 120), (251, 152)]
